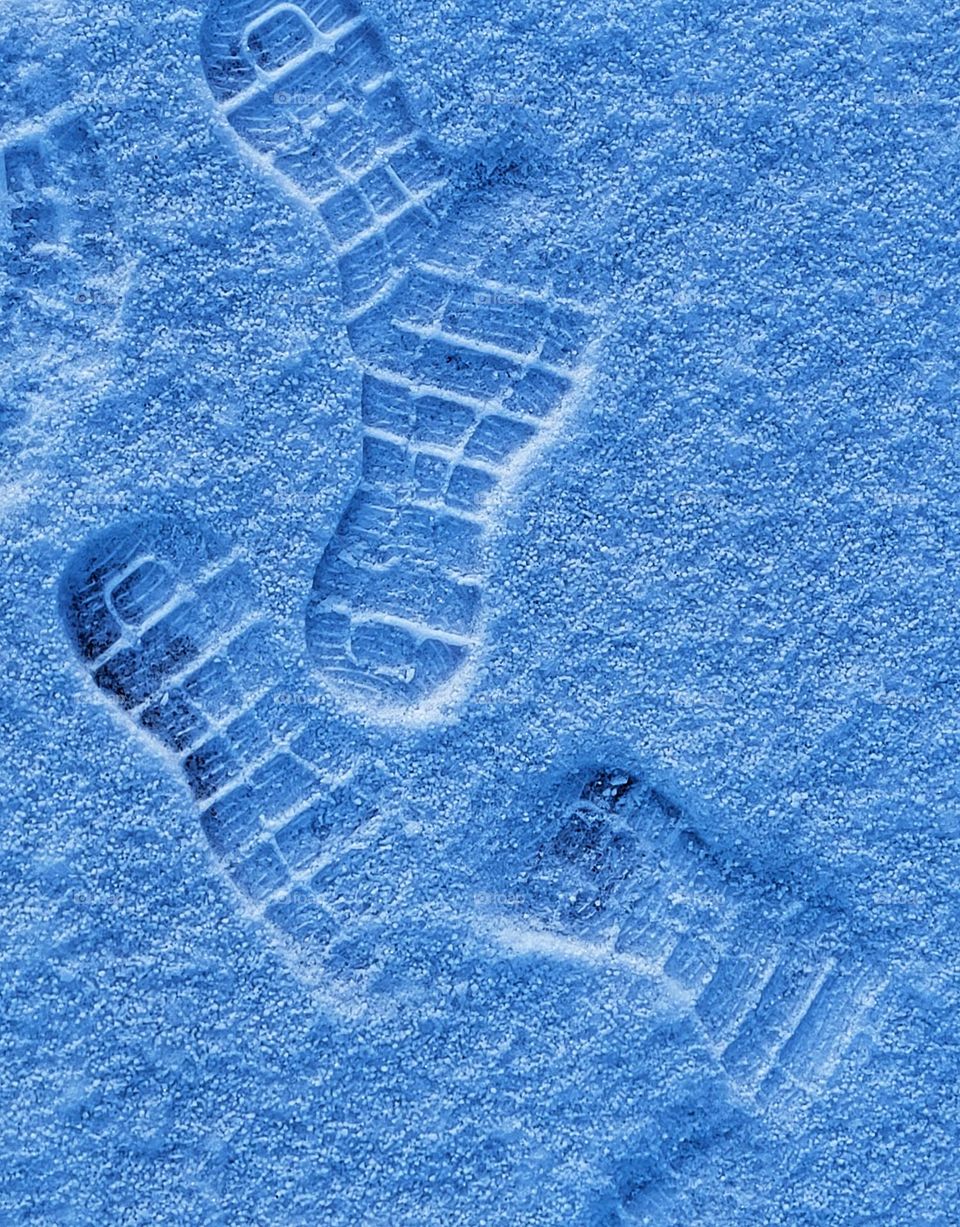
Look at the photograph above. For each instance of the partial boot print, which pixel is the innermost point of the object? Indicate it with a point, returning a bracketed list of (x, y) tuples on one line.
[(58, 254), (463, 374), (310, 89), (777, 988), (461, 380), (164, 619), (55, 210)]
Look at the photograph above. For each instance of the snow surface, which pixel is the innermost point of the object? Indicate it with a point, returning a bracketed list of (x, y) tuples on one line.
[(679, 701)]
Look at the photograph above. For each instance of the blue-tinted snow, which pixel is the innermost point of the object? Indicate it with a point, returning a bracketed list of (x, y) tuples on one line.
[(638, 857)]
